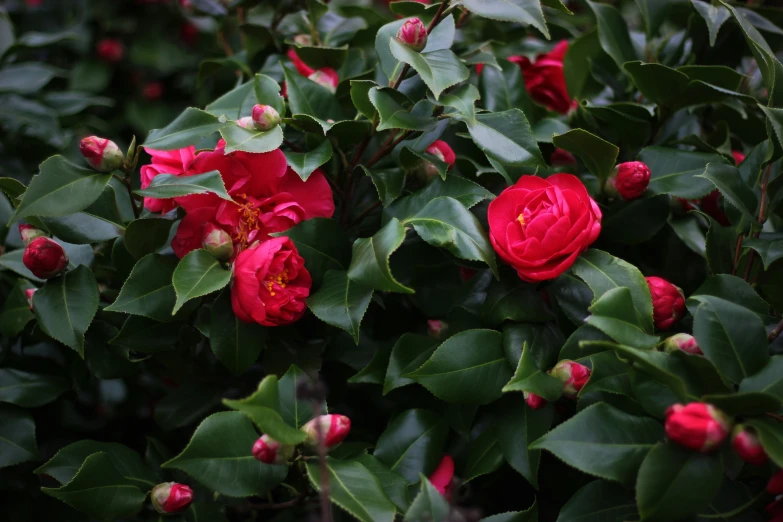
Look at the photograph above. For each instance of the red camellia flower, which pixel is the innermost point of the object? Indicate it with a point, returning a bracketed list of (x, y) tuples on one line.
[(573, 375), (271, 283), (698, 426), (171, 497), (712, 205), (442, 478), (544, 78), (333, 428), (668, 302), (270, 451), (747, 445), (540, 226), (165, 162), (630, 179), (45, 258), (441, 150), (110, 50), (534, 401)]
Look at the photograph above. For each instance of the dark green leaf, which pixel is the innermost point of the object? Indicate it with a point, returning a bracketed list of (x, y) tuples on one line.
[(294, 410), (145, 236), (613, 33), (17, 436), (16, 311), (409, 352), (637, 221), (188, 128), (395, 111), (323, 243), (520, 11), (678, 172), (714, 15), (599, 156), (770, 250), (341, 302), (518, 425), (599, 501), (30, 390), (727, 179), (507, 137), (767, 380), (428, 506), (613, 313), (186, 405), (304, 163), (412, 444), (148, 291), (394, 485), (26, 78), (388, 182), (370, 260), (438, 69), (164, 186), (198, 274), (529, 378), (251, 140)]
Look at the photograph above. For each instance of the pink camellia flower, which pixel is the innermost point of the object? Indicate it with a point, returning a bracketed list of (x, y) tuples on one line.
[(698, 426), (413, 33), (301, 67), (534, 401), (152, 91), (630, 180), (28, 293), (442, 478), (101, 154), (110, 50), (265, 117), (682, 341), (271, 283), (333, 428), (746, 444), (540, 226), (562, 158), (29, 232), (217, 242), (544, 78), (326, 77), (573, 375), (668, 302), (45, 258), (739, 157), (441, 150), (174, 162), (269, 451), (171, 497)]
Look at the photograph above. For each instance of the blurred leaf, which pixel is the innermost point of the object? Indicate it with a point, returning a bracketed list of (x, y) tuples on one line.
[(295, 410), (15, 314), (714, 15), (17, 436), (412, 443), (637, 221), (26, 78), (613, 33), (186, 405), (599, 501), (30, 390)]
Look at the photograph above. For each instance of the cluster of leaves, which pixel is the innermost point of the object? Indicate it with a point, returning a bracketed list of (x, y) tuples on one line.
[(132, 368)]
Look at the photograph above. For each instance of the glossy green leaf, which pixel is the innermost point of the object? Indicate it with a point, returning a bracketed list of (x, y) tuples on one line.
[(599, 501), (428, 506), (27, 77), (307, 97), (520, 11), (236, 103), (744, 403), (769, 250), (145, 236), (438, 69), (17, 436), (360, 96), (767, 380), (164, 186), (148, 291), (678, 172), (771, 436), (251, 140), (186, 405), (341, 302), (637, 221), (323, 243), (513, 299), (504, 90), (187, 129), (236, 344), (506, 136), (370, 260), (714, 16), (16, 312), (463, 190), (529, 378), (409, 353), (598, 155), (396, 111), (660, 84), (30, 390), (613, 313), (388, 182), (198, 274), (609, 374), (518, 425), (304, 163), (727, 179), (730, 288), (412, 444), (613, 33), (295, 411), (394, 485)]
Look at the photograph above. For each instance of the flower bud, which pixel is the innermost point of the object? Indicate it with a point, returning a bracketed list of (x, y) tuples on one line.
[(738, 156), (413, 33), (29, 232), (573, 375), (442, 478), (29, 295), (441, 150), (103, 155), (152, 91), (437, 328), (668, 302), (110, 50), (536, 402), (561, 157), (333, 428), (269, 451), (265, 117), (747, 445), (775, 484), (45, 258), (217, 242), (682, 341), (327, 78), (303, 39), (629, 180), (171, 497), (246, 122), (698, 426)]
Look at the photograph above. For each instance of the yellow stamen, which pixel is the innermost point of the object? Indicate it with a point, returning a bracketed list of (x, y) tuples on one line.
[(521, 219)]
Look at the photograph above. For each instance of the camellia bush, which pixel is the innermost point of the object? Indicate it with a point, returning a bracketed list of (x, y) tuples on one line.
[(458, 260)]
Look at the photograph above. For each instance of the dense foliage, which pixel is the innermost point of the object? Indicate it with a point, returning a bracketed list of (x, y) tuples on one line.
[(501, 260)]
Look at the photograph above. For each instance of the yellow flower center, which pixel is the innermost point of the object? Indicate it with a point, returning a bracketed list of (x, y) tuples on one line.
[(521, 220), (280, 279), (248, 221)]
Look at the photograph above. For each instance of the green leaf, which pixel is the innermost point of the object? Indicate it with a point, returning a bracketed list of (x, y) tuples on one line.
[(148, 235), (394, 485), (323, 243), (613, 313), (727, 179), (637, 221), (603, 272), (658, 83), (463, 190), (148, 291), (360, 96), (395, 111), (66, 305), (746, 404), (30, 390), (613, 33), (100, 491), (17, 436), (236, 103), (506, 136), (767, 380), (609, 374), (236, 344), (13, 261), (578, 64), (370, 260), (660, 366), (525, 12), (459, 373), (412, 160), (355, 489), (445, 222), (164, 186), (295, 411), (61, 188), (678, 172), (26, 78), (484, 455), (262, 407), (429, 505), (514, 300), (304, 163), (714, 15), (409, 352), (603, 441), (599, 156), (188, 128), (251, 140), (16, 311), (341, 302), (307, 97), (599, 501), (186, 405), (518, 425), (219, 457), (388, 182), (771, 436), (198, 274), (412, 443), (529, 378), (770, 250), (146, 335), (505, 89), (438, 69), (731, 288), (84, 228)]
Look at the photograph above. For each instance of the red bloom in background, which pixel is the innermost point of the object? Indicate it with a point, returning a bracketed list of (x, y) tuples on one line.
[(443, 476), (441, 150), (739, 157), (544, 78), (301, 67), (165, 162), (110, 50), (152, 91)]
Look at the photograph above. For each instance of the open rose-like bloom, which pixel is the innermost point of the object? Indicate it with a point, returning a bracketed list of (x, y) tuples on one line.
[(165, 162), (271, 283), (540, 226), (544, 78)]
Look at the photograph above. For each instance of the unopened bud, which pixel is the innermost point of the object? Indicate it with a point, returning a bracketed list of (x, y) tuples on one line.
[(29, 295), (110, 50), (326, 77), (265, 117), (441, 150), (103, 155), (171, 497), (668, 302), (682, 341), (303, 39), (246, 122), (775, 484), (535, 402), (333, 428), (698, 426), (217, 242), (152, 91), (413, 33), (747, 445), (29, 232), (45, 258), (629, 180), (437, 328), (269, 451), (573, 375), (442, 478)]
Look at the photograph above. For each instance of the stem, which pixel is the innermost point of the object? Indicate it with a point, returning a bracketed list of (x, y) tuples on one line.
[(221, 36), (737, 251), (763, 206), (749, 265), (775, 333), (365, 213), (385, 150)]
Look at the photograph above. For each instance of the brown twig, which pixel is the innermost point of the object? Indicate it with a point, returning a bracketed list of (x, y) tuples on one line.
[(221, 36), (763, 205), (775, 333), (365, 213), (385, 150), (737, 251), (774, 416)]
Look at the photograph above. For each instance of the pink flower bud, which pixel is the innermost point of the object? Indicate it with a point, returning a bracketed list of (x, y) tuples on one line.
[(303, 39), (668, 302), (217, 242), (739, 157), (441, 150), (45, 258), (103, 155), (747, 445), (29, 295), (442, 478), (171, 497), (682, 341), (110, 50), (152, 91), (775, 484), (413, 33), (326, 77), (334, 429), (269, 451), (536, 402), (436, 328), (246, 122), (573, 375), (561, 157), (29, 232), (698, 426), (630, 180), (265, 117)]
